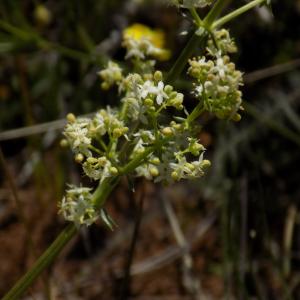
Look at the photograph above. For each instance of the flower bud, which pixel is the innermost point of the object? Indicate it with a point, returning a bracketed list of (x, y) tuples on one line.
[(167, 131), (71, 118), (148, 102), (158, 76), (190, 166), (64, 143), (114, 171), (196, 148), (105, 86), (205, 164), (79, 158), (154, 171), (92, 160), (175, 175), (42, 15), (168, 89), (117, 132), (155, 161), (102, 161), (236, 117)]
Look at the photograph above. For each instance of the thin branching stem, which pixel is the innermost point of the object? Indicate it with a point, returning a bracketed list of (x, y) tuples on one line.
[(236, 13)]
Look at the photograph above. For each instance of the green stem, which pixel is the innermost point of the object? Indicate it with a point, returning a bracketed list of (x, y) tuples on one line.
[(45, 44), (136, 161), (196, 39), (185, 55), (42, 263), (236, 13), (195, 16), (214, 13), (197, 111), (100, 195), (103, 190)]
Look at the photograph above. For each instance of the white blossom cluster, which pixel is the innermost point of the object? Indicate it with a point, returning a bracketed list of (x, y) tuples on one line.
[(140, 138), (142, 48), (77, 206), (217, 80), (110, 75), (221, 42), (141, 123)]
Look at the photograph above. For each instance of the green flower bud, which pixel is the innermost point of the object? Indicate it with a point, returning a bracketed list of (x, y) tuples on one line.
[(176, 126), (92, 160), (148, 102), (168, 89), (205, 164), (79, 158), (175, 175), (173, 95), (117, 132), (154, 171), (158, 76), (155, 161), (64, 143), (114, 171), (71, 118), (167, 131), (196, 148), (237, 117), (190, 166), (105, 86), (42, 15)]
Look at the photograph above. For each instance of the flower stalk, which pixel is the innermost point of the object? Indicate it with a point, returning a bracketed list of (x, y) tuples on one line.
[(222, 21)]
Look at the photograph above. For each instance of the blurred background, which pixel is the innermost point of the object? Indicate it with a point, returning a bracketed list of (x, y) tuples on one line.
[(232, 235)]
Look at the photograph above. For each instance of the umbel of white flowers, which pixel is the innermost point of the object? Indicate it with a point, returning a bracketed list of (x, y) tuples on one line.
[(166, 147)]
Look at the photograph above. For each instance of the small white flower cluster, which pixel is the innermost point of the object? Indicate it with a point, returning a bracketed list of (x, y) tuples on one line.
[(191, 3), (173, 162), (110, 75), (80, 132), (77, 206), (217, 85), (221, 42), (141, 48), (217, 80), (144, 95), (99, 168), (141, 139), (77, 135)]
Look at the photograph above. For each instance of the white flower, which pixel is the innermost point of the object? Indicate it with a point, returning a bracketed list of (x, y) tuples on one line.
[(198, 90), (111, 75), (77, 134), (98, 125), (149, 88), (97, 168), (220, 67), (146, 89), (144, 171), (160, 94), (77, 206), (134, 49)]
